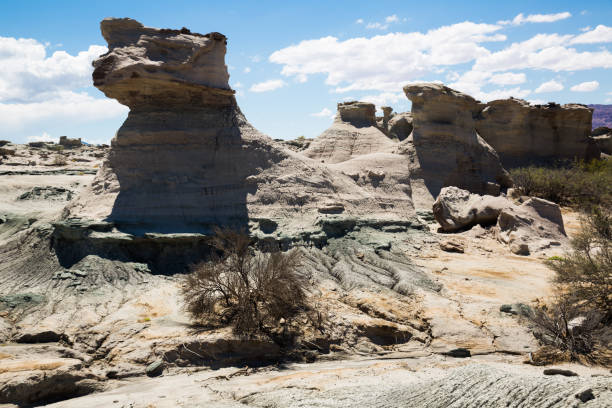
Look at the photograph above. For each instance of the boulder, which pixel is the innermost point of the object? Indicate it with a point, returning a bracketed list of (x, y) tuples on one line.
[(457, 209), (522, 133), (354, 132), (534, 225), (448, 149), (604, 143)]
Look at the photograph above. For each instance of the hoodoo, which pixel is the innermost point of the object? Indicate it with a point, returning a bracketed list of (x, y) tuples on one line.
[(449, 150)]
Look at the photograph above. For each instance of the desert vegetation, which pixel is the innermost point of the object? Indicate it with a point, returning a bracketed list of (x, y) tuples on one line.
[(578, 184), (253, 292), (577, 323)]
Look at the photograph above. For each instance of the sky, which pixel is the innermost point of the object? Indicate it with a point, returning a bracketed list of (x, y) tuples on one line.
[(292, 62)]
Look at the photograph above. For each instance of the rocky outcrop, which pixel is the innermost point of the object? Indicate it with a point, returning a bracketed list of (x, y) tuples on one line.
[(535, 225), (67, 142), (530, 227), (456, 209), (186, 159), (449, 151), (353, 133), (400, 126), (522, 133)]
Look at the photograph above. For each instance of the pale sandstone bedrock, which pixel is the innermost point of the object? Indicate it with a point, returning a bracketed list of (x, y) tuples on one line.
[(449, 150), (522, 133)]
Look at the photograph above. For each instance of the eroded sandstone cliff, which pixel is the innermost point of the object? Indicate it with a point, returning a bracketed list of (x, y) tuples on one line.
[(524, 134)]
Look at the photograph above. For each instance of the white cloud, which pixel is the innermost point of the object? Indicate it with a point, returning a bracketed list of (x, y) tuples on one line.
[(536, 18), (601, 34), (238, 85), (384, 98), (536, 101), (37, 88), (45, 137), (585, 86), (386, 62), (359, 21), (549, 86), (246, 70), (391, 19), (64, 106), (508, 78), (584, 29), (543, 51), (267, 86), (28, 73), (323, 114)]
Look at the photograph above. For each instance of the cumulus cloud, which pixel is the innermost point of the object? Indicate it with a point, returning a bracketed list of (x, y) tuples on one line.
[(536, 18), (28, 73), (37, 88), (325, 113), (549, 86), (543, 51), (386, 62), (65, 105), (246, 70), (384, 98), (508, 78), (588, 86), (267, 86), (601, 34)]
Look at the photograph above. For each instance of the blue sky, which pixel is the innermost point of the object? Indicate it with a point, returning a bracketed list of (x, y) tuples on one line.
[(292, 62)]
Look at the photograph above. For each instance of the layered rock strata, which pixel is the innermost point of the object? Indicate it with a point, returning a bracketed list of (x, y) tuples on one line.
[(524, 134), (354, 132), (186, 159), (449, 150)]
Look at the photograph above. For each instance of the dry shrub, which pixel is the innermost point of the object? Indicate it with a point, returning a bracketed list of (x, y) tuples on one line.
[(579, 321), (252, 291), (585, 272)]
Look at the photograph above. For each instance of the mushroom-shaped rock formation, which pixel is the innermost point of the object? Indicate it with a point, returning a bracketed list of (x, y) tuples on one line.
[(186, 159), (353, 133), (523, 134), (449, 151)]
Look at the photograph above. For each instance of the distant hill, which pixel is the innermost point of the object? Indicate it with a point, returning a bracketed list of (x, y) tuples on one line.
[(602, 115)]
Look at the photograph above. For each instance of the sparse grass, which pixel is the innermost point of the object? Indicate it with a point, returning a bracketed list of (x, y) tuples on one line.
[(580, 185), (251, 291)]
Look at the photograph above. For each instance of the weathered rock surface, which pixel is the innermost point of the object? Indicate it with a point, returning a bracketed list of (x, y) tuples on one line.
[(400, 126), (448, 148), (68, 142), (353, 133), (186, 159), (534, 225), (522, 133), (455, 209)]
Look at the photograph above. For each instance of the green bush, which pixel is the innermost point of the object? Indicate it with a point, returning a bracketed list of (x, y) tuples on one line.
[(581, 185)]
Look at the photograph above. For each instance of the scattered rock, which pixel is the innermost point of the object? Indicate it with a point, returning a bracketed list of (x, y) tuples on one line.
[(452, 246), (515, 309), (458, 353), (155, 369), (558, 371), (47, 193), (331, 208), (585, 395)]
